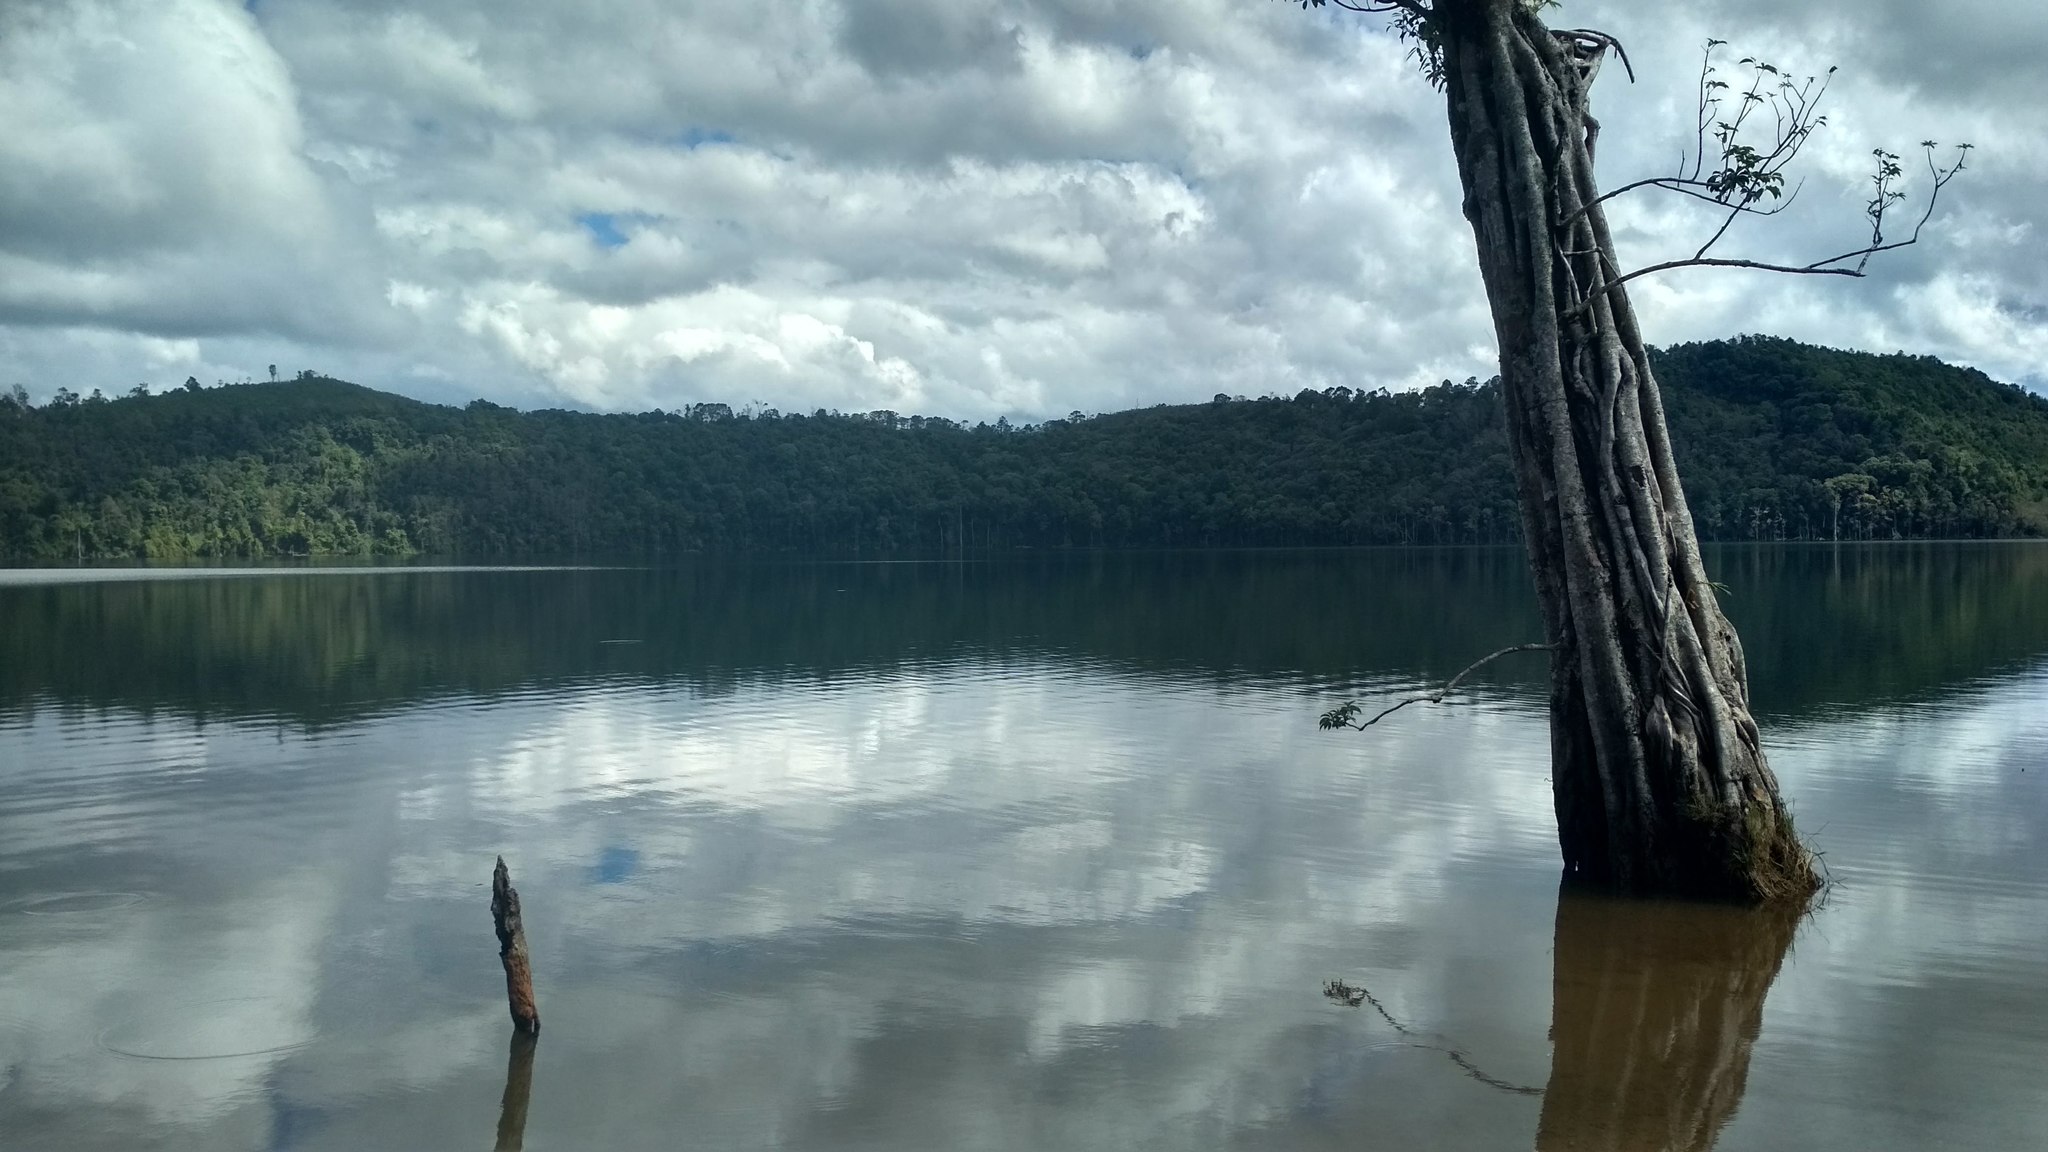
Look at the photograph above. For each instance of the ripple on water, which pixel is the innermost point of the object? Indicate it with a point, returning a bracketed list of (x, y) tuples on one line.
[(74, 903), (210, 1030), (14, 1030)]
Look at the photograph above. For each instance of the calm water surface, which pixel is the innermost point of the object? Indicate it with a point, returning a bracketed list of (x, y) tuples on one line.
[(1042, 854)]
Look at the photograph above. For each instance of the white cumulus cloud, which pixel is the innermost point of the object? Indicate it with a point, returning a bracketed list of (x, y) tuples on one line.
[(965, 207)]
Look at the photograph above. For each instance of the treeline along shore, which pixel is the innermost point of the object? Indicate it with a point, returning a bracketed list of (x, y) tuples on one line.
[(1777, 440)]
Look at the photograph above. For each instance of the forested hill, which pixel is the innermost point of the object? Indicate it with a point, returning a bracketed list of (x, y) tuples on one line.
[(1775, 439)]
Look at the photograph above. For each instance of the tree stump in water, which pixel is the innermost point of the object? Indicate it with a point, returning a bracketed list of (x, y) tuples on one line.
[(512, 951), (1659, 777)]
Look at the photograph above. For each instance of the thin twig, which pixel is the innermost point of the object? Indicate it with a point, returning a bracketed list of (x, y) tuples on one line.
[(1352, 995), (1379, 6), (1746, 175), (1831, 265), (1345, 716), (1684, 186)]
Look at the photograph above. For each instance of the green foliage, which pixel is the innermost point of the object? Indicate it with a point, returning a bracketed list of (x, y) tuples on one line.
[(1780, 440), (1776, 439)]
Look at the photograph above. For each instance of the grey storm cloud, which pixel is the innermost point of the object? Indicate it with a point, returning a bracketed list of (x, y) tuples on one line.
[(965, 207)]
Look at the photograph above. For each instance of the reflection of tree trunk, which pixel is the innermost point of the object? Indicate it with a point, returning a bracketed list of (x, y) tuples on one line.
[(1654, 1008), (518, 1088)]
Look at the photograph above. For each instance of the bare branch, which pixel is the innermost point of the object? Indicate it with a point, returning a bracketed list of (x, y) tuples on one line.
[(1372, 7), (1747, 174), (1885, 196), (1346, 715), (1684, 186), (1723, 262), (1603, 40), (1352, 995), (1733, 214)]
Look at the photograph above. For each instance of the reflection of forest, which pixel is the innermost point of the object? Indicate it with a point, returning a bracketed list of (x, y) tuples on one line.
[(1825, 626), (1850, 625), (1654, 1009)]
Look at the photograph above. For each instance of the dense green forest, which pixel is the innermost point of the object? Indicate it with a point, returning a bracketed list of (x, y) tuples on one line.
[(1777, 440)]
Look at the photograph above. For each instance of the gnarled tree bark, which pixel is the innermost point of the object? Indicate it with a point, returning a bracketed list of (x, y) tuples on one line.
[(511, 929), (1660, 783)]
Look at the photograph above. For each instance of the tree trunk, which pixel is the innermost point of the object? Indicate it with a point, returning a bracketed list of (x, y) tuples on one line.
[(511, 929), (1659, 780)]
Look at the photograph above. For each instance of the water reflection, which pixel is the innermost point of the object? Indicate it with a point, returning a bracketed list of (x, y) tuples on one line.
[(331, 648), (1654, 1010), (518, 1091), (1016, 874), (1833, 627), (1826, 627)]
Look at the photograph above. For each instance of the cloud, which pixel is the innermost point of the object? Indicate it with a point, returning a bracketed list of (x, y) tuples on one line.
[(158, 183), (972, 208), (909, 37)]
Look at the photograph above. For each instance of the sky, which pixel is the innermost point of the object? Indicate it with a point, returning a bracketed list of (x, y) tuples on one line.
[(968, 208)]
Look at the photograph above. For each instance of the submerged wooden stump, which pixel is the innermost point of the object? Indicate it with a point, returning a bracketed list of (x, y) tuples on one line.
[(512, 951)]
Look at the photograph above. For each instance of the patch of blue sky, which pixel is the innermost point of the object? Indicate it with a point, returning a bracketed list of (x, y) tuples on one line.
[(696, 138), (603, 228), (612, 229)]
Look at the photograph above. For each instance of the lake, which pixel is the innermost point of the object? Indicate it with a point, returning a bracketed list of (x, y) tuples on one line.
[(1034, 853)]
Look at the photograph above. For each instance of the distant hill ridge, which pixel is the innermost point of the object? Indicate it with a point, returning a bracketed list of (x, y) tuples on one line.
[(1775, 439)]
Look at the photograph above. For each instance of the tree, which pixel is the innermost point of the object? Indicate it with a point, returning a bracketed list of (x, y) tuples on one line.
[(1849, 486), (1658, 776)]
